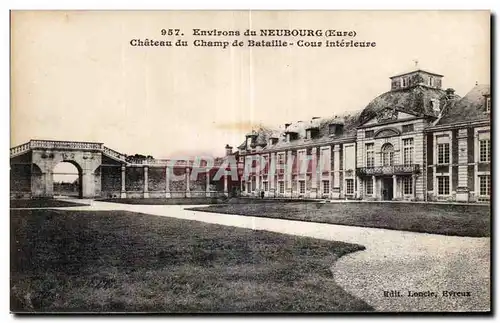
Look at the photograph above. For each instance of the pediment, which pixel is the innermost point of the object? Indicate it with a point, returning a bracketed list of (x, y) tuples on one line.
[(388, 115), (387, 132)]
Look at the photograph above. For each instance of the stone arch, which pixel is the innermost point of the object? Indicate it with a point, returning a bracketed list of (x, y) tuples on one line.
[(70, 190)]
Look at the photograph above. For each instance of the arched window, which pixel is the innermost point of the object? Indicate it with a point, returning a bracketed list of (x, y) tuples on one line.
[(387, 155)]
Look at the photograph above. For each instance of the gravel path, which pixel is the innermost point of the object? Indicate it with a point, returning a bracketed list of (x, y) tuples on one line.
[(395, 261)]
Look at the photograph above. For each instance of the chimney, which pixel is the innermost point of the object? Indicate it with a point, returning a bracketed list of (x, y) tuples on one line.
[(229, 150), (450, 93)]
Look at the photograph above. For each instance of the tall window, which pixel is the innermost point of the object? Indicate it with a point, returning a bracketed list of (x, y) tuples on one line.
[(349, 186), (484, 185), (407, 185), (281, 163), (281, 187), (369, 186), (443, 185), (370, 155), (326, 187), (249, 187), (387, 155), (264, 168), (488, 104), (302, 187), (484, 150), (408, 151), (266, 186), (254, 183), (443, 150)]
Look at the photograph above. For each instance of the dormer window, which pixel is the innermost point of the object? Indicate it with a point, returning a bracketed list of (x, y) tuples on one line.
[(488, 104), (312, 133), (273, 141), (335, 129)]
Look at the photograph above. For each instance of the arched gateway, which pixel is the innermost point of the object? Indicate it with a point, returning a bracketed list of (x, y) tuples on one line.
[(103, 172)]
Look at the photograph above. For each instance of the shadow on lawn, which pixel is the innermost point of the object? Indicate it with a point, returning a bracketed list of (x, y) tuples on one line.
[(129, 262)]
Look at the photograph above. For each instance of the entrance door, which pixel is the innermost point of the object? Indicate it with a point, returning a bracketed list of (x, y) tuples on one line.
[(387, 189)]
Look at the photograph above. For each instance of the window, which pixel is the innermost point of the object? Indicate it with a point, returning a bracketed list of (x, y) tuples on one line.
[(369, 133), (408, 128), (443, 153), (369, 186), (484, 185), (488, 104), (404, 81), (266, 186), (264, 168), (443, 185), (326, 187), (254, 183), (281, 163), (408, 151), (249, 187), (302, 187), (431, 81), (484, 150), (349, 186), (281, 186), (370, 155), (387, 155), (407, 185)]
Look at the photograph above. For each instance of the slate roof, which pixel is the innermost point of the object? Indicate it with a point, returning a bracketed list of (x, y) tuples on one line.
[(472, 107), (349, 121), (416, 100)]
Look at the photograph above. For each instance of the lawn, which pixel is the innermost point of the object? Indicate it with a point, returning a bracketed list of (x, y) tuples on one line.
[(37, 203), (122, 261), (447, 219)]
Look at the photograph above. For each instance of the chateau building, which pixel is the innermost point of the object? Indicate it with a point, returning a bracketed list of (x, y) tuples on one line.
[(415, 142)]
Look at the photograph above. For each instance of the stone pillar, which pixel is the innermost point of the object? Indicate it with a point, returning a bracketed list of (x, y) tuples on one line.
[(257, 175), (167, 182), (207, 183), (146, 191), (123, 192), (88, 184), (374, 187), (48, 180), (414, 186), (188, 182), (314, 174), (336, 172), (289, 167), (394, 186), (226, 191), (272, 176)]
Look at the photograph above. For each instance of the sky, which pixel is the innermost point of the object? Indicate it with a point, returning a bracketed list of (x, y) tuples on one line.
[(74, 75)]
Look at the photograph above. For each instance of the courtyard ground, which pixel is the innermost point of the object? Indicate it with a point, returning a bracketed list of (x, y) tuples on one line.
[(168, 201), (89, 260), (448, 219), (392, 261)]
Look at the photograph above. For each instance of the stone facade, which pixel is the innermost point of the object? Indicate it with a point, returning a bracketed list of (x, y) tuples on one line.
[(416, 142)]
